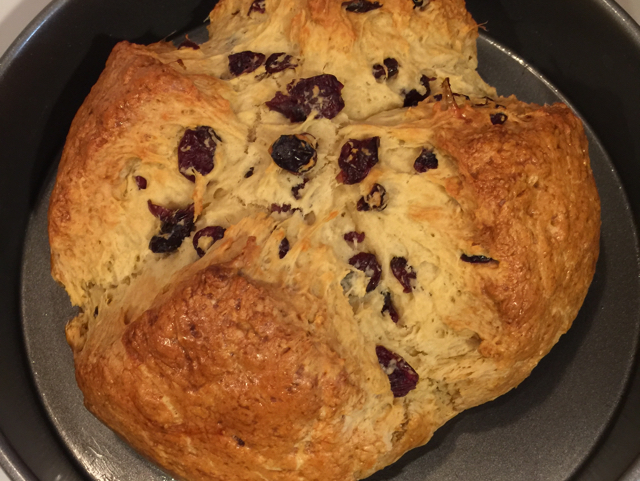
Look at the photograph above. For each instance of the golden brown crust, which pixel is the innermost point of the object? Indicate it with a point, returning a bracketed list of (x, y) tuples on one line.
[(527, 186), (518, 183), (134, 89), (209, 380), (253, 364), (232, 366)]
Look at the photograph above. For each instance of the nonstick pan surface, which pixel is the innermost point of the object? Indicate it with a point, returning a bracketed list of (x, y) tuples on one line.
[(550, 428)]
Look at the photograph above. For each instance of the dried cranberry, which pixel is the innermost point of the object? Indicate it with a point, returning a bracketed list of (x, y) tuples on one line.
[(141, 182), (357, 158), (295, 153), (390, 308), (413, 97), (426, 160), (284, 248), (484, 101), (280, 208), (368, 264), (321, 93), (376, 199), (392, 67), (249, 173), (196, 151), (239, 441), (245, 62), (354, 237), (189, 44), (360, 6), (162, 244), (437, 97), (389, 70), (159, 212), (215, 232), (403, 272), (379, 72), (295, 190), (498, 119), (476, 259), (420, 3), (176, 226), (402, 376), (257, 6), (291, 107), (277, 62)]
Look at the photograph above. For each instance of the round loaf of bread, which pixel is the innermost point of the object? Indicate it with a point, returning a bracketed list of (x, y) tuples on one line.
[(304, 245)]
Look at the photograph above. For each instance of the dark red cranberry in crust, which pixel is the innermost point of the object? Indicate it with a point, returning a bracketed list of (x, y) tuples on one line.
[(484, 101), (176, 226), (215, 232), (158, 211), (379, 72), (402, 376), (390, 308), (403, 272), (497, 119), (249, 173), (278, 62), (293, 108), (413, 97), (189, 44), (357, 158), (283, 248), (321, 93), (476, 259), (368, 264), (245, 62), (141, 182), (354, 237), (162, 244), (257, 6), (437, 97), (295, 190), (196, 151), (360, 6), (392, 67), (463, 96), (375, 200), (295, 153), (280, 208), (427, 160)]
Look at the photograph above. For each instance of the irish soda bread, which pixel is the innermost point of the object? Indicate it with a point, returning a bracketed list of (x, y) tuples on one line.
[(301, 247)]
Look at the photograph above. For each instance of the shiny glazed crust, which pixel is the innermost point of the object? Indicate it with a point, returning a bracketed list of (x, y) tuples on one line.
[(247, 364)]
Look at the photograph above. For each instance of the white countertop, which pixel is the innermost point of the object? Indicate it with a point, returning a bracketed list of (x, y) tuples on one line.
[(15, 15)]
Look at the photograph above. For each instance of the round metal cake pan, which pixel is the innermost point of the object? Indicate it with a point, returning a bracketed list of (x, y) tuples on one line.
[(589, 50)]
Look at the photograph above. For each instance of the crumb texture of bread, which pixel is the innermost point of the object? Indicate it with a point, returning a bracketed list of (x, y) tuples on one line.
[(304, 245)]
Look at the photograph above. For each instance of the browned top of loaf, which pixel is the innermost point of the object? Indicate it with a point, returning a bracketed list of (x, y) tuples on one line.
[(227, 378), (530, 193)]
